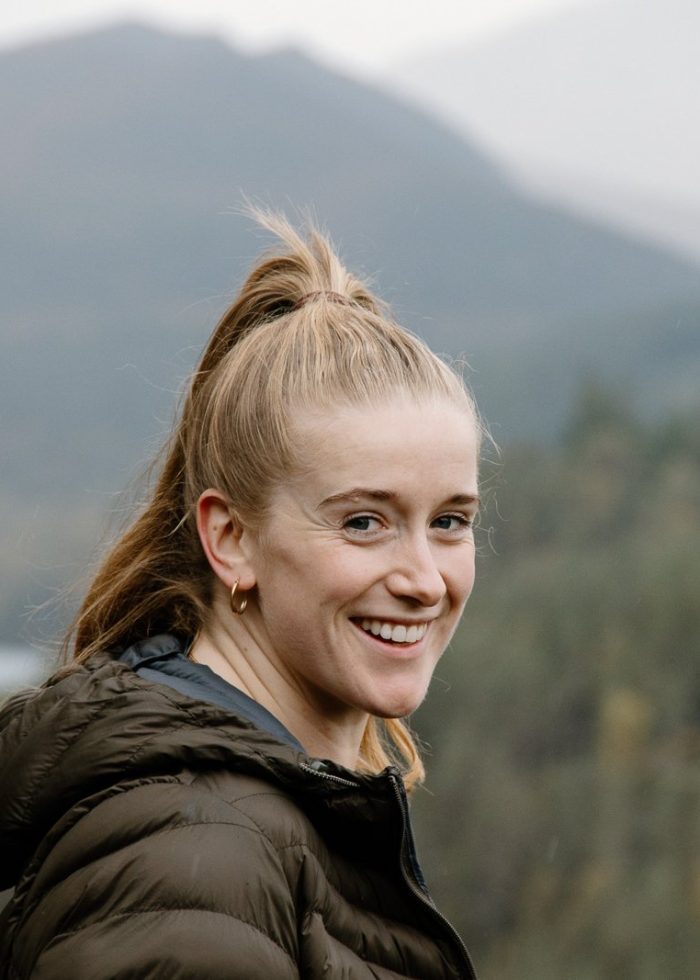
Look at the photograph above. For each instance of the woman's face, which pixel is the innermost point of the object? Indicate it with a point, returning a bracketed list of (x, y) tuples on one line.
[(366, 560)]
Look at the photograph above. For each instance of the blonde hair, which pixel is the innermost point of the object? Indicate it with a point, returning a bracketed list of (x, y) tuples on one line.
[(303, 332)]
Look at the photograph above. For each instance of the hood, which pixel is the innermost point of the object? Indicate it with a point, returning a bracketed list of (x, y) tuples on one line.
[(99, 723)]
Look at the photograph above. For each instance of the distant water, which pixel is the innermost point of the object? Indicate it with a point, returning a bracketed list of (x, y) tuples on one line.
[(21, 667)]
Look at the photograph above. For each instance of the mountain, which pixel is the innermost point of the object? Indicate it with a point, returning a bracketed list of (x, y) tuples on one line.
[(665, 220), (127, 151), (600, 95)]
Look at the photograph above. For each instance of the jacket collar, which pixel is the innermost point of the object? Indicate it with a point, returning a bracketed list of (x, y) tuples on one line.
[(163, 659)]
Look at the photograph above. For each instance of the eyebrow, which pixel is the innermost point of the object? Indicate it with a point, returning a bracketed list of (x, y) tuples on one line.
[(358, 493)]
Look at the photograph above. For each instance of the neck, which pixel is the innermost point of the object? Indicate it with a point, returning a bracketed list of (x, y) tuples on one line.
[(235, 651)]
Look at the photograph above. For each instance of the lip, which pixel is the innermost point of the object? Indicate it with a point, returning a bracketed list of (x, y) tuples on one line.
[(392, 619)]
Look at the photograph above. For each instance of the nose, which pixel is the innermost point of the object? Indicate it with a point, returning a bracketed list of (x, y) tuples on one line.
[(415, 574)]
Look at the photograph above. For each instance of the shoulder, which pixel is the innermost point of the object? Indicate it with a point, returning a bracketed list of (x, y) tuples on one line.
[(170, 841), (107, 755)]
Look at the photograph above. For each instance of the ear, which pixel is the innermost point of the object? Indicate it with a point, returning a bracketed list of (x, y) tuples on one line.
[(224, 540)]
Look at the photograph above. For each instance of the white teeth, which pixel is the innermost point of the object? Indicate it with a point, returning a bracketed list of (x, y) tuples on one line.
[(396, 632)]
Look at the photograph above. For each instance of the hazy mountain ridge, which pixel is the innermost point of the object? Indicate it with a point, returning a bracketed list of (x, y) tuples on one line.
[(597, 94), (129, 147)]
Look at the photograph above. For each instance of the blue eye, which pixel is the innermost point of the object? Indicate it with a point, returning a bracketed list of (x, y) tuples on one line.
[(361, 522), (452, 522)]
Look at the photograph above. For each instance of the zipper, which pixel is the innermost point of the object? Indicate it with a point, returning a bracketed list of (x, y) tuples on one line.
[(407, 847), (317, 770), (409, 875)]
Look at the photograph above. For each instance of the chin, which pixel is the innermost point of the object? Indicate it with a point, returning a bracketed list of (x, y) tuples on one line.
[(399, 706)]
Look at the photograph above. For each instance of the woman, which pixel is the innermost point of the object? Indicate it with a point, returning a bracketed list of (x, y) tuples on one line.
[(215, 787)]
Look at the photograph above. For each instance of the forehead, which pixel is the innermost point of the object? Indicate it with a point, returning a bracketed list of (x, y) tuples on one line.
[(389, 446)]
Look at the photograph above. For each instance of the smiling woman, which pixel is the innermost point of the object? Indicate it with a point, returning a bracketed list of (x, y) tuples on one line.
[(215, 781), (334, 555)]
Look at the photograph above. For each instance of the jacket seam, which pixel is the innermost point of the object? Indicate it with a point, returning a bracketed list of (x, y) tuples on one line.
[(141, 840), (152, 909), (259, 827)]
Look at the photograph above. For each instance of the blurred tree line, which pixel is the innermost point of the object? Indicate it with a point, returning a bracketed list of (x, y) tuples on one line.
[(561, 827)]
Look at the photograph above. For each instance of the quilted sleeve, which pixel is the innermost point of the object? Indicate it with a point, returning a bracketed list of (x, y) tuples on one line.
[(158, 881)]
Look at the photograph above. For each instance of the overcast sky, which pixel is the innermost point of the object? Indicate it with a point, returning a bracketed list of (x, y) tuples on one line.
[(363, 35)]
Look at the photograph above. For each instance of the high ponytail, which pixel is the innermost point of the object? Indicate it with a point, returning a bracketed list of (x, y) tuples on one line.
[(302, 332)]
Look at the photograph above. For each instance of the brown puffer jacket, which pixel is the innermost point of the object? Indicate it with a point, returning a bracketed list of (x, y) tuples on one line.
[(150, 835)]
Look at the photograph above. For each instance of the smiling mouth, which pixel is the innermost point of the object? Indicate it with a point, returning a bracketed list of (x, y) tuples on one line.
[(393, 632)]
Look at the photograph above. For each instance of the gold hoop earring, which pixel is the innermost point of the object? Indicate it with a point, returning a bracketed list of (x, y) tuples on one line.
[(237, 607)]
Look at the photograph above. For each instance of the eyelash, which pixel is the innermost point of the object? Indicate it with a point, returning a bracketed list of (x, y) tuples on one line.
[(463, 522)]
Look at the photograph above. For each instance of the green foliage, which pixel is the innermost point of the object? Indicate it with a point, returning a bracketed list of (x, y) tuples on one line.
[(562, 836)]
